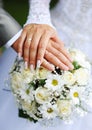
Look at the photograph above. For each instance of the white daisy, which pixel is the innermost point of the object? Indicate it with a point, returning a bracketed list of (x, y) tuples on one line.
[(48, 111), (76, 94), (27, 94), (54, 82)]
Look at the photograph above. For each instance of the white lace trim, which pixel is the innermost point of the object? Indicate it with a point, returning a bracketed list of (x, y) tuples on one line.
[(39, 12)]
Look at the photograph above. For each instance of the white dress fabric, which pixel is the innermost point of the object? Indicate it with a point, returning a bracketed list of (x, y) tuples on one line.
[(73, 22)]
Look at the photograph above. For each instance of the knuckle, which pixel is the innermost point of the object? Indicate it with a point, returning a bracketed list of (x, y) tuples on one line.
[(41, 46), (27, 45), (33, 47), (26, 58)]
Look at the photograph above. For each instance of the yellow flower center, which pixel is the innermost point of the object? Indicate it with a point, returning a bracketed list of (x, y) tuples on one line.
[(54, 82), (64, 110), (76, 94), (49, 110)]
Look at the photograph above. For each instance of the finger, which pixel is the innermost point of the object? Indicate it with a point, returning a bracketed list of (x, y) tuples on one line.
[(54, 60), (61, 57), (56, 39), (47, 65), (33, 48), (21, 41), (42, 46), (27, 49), (62, 50)]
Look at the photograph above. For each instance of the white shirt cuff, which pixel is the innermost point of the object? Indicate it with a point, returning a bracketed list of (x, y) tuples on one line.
[(13, 39)]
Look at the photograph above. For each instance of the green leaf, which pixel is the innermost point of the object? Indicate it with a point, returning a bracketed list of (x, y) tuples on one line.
[(76, 65), (37, 83), (23, 115)]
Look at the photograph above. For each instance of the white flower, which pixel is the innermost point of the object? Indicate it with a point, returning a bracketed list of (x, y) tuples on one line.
[(85, 64), (43, 73), (48, 111), (30, 108), (76, 94), (64, 107), (69, 78), (27, 94), (80, 111), (42, 95), (54, 82), (16, 81), (77, 55), (27, 76), (82, 76)]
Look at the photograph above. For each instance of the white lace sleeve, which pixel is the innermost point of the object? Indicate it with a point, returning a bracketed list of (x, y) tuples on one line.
[(39, 12)]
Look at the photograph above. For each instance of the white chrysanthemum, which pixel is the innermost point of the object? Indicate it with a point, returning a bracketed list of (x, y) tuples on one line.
[(48, 111), (64, 107), (82, 76), (42, 95), (69, 78), (54, 82), (77, 55), (26, 94), (27, 76), (76, 94)]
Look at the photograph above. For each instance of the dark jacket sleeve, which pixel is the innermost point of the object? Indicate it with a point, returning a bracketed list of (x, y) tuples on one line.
[(8, 27)]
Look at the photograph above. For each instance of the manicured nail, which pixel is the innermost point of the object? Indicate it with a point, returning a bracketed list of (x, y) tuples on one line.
[(32, 67), (26, 65), (52, 67), (71, 67), (66, 68), (19, 56), (38, 64)]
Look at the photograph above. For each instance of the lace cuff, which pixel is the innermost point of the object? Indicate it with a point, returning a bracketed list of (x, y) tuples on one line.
[(39, 12)]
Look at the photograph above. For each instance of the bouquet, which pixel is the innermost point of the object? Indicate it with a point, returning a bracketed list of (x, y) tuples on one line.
[(43, 95)]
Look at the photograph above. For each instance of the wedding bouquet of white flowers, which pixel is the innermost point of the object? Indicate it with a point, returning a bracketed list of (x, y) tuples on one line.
[(44, 95)]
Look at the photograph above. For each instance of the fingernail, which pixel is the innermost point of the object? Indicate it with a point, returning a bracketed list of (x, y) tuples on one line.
[(38, 64), (71, 67), (26, 65), (32, 67), (19, 56), (52, 67), (66, 68)]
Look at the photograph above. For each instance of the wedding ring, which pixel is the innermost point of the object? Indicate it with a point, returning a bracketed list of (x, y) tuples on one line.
[(30, 39)]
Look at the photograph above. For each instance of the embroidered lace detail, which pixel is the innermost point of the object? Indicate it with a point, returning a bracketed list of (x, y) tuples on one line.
[(39, 12)]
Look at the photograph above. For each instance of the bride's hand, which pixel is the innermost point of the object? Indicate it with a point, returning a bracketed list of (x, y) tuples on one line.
[(33, 42)]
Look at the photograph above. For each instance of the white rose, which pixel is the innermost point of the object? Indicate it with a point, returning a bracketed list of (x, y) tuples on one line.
[(43, 73), (16, 81), (77, 55), (85, 64), (27, 76), (41, 95), (64, 107), (69, 78), (82, 76)]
